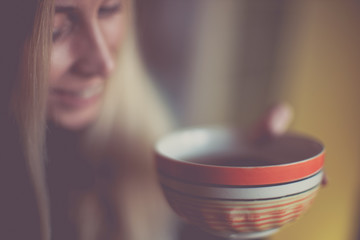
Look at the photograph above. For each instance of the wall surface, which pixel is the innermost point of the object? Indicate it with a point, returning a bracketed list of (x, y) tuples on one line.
[(321, 70)]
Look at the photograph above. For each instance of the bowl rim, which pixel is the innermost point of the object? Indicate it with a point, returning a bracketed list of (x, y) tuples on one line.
[(238, 175)]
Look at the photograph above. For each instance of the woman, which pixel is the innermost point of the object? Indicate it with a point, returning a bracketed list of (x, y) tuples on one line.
[(65, 112), (98, 128), (101, 183)]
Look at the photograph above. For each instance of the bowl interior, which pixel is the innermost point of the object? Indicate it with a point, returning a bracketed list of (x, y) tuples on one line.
[(225, 146)]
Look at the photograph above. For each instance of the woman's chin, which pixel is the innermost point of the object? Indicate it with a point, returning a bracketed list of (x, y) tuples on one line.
[(73, 119)]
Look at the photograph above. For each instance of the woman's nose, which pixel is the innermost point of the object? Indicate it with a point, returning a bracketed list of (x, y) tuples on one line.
[(95, 57)]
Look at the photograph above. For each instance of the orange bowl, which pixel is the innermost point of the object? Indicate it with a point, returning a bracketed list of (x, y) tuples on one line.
[(215, 179)]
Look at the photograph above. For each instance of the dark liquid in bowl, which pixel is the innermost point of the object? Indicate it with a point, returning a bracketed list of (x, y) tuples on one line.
[(230, 160)]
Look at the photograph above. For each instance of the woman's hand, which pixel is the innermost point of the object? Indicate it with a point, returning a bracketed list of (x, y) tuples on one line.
[(272, 124)]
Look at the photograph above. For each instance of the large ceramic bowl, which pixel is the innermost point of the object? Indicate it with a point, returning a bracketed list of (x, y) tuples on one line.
[(273, 183)]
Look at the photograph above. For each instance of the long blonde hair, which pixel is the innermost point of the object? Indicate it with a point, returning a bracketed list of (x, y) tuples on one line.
[(132, 117), (133, 106), (29, 105)]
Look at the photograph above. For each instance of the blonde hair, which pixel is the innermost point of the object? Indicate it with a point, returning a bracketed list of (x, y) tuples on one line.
[(29, 105), (132, 107), (133, 115)]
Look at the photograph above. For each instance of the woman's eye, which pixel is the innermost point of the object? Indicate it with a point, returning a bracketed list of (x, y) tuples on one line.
[(61, 32), (56, 35), (62, 26), (107, 11)]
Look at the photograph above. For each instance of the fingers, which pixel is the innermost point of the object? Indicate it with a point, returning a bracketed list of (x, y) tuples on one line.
[(279, 119), (274, 123)]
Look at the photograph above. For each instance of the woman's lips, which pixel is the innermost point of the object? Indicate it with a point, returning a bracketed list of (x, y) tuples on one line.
[(77, 98)]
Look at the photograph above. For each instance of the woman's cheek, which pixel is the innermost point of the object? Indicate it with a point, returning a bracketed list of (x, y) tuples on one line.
[(61, 61), (115, 31)]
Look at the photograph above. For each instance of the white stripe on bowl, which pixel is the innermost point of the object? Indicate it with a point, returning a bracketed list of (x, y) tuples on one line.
[(243, 193)]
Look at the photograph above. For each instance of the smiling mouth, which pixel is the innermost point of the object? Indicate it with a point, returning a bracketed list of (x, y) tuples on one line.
[(78, 98), (82, 94)]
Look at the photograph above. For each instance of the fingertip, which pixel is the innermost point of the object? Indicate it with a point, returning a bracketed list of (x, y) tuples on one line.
[(324, 181), (280, 118), (273, 123)]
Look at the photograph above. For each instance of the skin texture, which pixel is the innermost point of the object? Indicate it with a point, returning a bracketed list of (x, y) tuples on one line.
[(87, 35)]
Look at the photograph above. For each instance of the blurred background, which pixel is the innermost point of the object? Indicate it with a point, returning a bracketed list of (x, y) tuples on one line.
[(226, 61)]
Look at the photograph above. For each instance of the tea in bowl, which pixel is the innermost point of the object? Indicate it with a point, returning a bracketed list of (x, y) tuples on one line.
[(214, 178)]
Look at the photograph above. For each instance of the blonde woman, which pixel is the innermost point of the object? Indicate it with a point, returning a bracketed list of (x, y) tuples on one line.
[(86, 39), (102, 115)]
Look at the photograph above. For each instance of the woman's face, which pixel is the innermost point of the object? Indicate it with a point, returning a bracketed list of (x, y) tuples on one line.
[(86, 37)]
